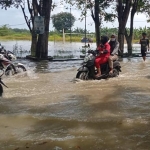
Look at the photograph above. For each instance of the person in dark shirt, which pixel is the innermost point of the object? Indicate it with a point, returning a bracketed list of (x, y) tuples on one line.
[(144, 41)]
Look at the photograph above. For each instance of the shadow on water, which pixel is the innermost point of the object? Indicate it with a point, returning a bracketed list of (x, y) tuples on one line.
[(148, 77), (47, 66), (118, 120)]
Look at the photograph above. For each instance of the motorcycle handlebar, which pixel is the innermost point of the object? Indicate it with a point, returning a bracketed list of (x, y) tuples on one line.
[(94, 52)]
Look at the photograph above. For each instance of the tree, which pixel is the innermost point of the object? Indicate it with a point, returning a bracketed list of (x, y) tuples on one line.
[(137, 6), (98, 12), (123, 10), (39, 44), (4, 30), (80, 30), (109, 31), (8, 3), (63, 20)]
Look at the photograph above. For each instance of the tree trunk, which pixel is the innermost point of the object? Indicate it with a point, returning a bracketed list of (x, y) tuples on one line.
[(129, 43), (123, 10), (121, 38), (130, 36), (97, 22), (33, 44), (97, 30), (130, 47), (39, 45), (95, 16), (42, 43)]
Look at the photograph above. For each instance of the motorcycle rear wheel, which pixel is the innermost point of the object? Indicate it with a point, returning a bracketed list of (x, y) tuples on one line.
[(82, 75)]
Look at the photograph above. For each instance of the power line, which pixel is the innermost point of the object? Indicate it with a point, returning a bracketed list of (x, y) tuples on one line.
[(137, 21), (13, 25), (25, 23)]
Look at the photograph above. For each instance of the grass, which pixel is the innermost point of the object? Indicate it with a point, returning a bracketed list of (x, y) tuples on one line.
[(54, 37), (16, 37)]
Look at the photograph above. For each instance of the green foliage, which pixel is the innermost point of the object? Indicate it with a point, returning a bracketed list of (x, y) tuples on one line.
[(20, 30), (109, 17), (63, 20), (109, 31), (23, 34), (79, 30), (8, 3), (4, 30)]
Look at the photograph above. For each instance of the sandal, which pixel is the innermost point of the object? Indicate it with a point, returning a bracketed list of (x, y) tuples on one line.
[(111, 72), (97, 76)]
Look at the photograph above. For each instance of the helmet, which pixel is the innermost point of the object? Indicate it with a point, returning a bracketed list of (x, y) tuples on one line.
[(104, 39)]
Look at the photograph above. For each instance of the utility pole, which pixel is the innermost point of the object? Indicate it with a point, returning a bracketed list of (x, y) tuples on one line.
[(85, 21), (70, 24), (63, 36)]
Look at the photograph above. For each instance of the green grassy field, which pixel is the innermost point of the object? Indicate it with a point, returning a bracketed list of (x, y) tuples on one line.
[(54, 37)]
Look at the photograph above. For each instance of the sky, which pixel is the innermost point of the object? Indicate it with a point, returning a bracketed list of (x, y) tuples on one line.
[(14, 19)]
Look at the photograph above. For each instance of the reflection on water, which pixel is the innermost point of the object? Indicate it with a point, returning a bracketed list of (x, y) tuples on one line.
[(56, 49), (47, 108)]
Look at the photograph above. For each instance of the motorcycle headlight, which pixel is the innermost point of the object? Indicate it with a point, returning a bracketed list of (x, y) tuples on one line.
[(88, 57), (1, 56), (13, 57)]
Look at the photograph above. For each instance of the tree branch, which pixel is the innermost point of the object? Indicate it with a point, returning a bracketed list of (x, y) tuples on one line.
[(26, 18)]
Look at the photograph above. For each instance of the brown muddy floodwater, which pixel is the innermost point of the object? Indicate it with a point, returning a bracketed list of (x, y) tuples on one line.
[(46, 108)]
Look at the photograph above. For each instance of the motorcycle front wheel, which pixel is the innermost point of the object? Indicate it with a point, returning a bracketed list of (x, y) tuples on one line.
[(82, 75), (21, 67), (10, 70)]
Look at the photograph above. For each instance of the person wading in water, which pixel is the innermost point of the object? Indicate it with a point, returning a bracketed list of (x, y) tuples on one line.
[(144, 41)]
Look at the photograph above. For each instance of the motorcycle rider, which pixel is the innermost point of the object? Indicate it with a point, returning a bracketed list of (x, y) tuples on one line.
[(114, 47), (104, 53), (6, 59)]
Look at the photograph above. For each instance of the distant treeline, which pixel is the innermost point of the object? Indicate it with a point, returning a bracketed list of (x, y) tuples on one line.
[(9, 33)]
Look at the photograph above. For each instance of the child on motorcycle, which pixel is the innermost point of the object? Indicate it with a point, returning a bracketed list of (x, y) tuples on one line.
[(104, 53)]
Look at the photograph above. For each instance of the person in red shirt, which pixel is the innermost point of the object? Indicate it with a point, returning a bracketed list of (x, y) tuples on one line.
[(104, 53)]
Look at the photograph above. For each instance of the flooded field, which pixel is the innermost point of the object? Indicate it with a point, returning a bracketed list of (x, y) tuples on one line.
[(56, 49), (46, 108)]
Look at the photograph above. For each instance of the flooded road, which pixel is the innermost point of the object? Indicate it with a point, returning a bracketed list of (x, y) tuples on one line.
[(46, 108)]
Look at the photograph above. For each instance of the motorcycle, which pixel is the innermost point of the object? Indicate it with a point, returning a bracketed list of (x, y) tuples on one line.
[(6, 58), (1, 84), (87, 70)]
